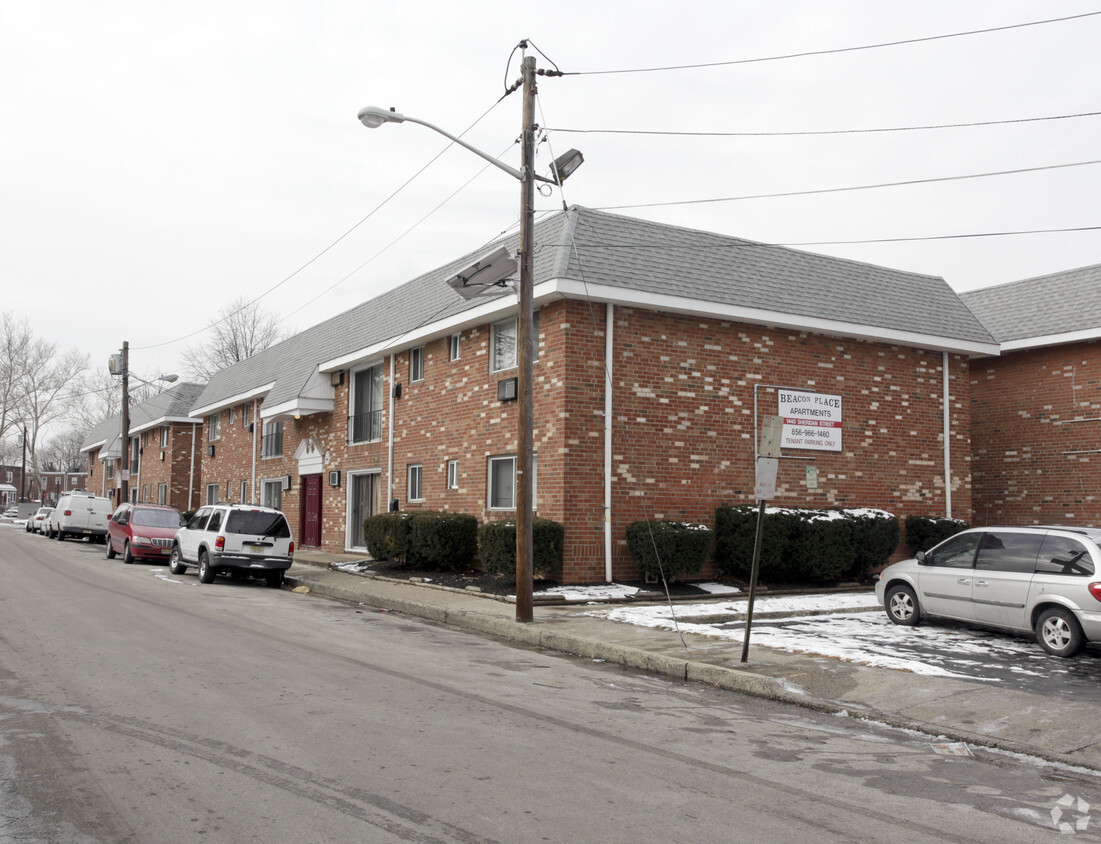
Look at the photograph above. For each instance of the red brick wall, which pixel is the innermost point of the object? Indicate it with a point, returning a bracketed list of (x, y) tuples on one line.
[(683, 428), (1022, 407)]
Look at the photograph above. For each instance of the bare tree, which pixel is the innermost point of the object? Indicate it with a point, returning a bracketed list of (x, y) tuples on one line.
[(47, 396), (62, 453), (16, 340), (244, 329)]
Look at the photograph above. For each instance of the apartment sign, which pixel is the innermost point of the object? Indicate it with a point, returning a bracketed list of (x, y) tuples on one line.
[(811, 420)]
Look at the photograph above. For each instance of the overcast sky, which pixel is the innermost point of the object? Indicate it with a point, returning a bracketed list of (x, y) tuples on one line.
[(161, 159)]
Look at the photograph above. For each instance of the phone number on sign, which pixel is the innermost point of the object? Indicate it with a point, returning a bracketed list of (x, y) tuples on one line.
[(810, 432)]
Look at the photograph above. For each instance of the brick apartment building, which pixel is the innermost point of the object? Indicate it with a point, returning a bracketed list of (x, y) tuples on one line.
[(659, 350), (163, 451), (1036, 409), (45, 486)]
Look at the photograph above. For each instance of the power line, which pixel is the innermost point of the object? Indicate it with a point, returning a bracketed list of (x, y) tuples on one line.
[(850, 187), (833, 51), (821, 131)]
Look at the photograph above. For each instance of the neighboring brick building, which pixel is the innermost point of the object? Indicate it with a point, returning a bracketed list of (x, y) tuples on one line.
[(1036, 409), (45, 487), (164, 443), (397, 399)]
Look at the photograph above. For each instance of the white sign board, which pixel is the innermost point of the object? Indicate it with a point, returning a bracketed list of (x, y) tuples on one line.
[(811, 420)]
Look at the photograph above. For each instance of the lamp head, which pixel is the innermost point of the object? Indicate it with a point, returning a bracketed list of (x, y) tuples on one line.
[(372, 116)]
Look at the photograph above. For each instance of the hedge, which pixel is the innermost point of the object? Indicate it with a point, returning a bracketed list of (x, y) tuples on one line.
[(426, 538), (668, 550), (497, 546), (923, 532), (802, 544)]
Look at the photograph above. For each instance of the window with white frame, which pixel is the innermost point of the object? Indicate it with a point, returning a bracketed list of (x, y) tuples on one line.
[(246, 415), (164, 436), (214, 427), (365, 421), (272, 493), (271, 443), (415, 490), (502, 482), (212, 493), (244, 493), (456, 346), (416, 364), (110, 470), (452, 474), (162, 493), (504, 339)]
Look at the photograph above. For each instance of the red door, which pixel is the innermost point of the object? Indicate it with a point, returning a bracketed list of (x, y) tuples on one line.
[(311, 511)]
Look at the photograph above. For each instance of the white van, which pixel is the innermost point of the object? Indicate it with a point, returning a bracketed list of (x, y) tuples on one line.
[(80, 514)]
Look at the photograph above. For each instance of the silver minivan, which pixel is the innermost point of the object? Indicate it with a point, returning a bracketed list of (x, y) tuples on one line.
[(1041, 580)]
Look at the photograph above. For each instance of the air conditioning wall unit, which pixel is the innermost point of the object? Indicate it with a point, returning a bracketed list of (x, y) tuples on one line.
[(334, 478), (210, 451), (286, 482)]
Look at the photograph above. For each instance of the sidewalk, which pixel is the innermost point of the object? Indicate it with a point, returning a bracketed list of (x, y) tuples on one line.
[(946, 709)]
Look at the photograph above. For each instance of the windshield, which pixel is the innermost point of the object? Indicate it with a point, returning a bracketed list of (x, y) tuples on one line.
[(156, 518), (258, 522)]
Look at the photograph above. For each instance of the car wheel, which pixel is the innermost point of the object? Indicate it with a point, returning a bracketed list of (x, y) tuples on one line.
[(110, 549), (1058, 632), (902, 605), (60, 536), (206, 570), (274, 579), (175, 562), (127, 557)]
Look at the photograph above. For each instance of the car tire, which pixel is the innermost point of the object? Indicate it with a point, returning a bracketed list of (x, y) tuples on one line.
[(1058, 632), (175, 562), (274, 579), (902, 605), (110, 549), (206, 570), (127, 557), (60, 537)]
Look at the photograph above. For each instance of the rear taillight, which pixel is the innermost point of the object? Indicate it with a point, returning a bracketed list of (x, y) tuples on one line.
[(290, 553), (67, 513), (220, 543), (1095, 590)]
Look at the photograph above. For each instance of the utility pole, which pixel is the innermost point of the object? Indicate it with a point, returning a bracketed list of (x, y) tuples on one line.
[(23, 471), (525, 341), (125, 423)]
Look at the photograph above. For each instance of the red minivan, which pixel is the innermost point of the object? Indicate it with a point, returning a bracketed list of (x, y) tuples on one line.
[(142, 532)]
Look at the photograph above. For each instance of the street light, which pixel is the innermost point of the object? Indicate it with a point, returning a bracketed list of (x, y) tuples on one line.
[(120, 365), (372, 117)]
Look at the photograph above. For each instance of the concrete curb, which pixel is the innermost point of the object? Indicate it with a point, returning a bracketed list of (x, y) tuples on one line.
[(537, 635)]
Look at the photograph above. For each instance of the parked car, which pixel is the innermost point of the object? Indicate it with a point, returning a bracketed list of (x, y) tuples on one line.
[(1039, 580), (37, 523), (238, 539), (142, 531), (80, 514), (11, 513)]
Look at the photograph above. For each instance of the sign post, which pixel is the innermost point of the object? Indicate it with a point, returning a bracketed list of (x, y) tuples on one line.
[(767, 463)]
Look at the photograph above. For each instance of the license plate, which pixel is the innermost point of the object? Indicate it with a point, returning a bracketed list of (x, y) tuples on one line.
[(166, 550), (256, 549)]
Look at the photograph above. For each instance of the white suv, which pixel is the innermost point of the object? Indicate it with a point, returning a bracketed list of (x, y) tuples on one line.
[(237, 539)]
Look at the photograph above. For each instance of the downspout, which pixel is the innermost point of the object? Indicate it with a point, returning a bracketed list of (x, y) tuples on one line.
[(191, 472), (947, 442), (608, 326), (255, 424), (390, 443)]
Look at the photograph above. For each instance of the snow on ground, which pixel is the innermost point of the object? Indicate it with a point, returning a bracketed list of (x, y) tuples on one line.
[(866, 638)]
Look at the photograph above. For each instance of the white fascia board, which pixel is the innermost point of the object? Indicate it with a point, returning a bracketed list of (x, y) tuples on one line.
[(94, 446), (231, 401), (164, 420), (1052, 340), (486, 312), (300, 406), (695, 307)]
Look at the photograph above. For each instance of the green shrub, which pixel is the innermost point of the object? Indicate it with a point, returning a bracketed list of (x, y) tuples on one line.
[(668, 549), (804, 544), (386, 536), (444, 541), (923, 532), (497, 546)]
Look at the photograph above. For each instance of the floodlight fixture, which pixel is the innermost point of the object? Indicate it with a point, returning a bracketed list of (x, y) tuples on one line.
[(488, 272)]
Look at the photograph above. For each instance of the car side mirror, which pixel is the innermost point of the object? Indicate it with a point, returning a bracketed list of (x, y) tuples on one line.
[(920, 555)]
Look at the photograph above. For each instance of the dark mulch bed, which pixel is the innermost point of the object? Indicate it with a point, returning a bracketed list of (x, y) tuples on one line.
[(492, 584)]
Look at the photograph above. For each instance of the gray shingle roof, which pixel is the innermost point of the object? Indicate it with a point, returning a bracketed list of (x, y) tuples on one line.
[(1058, 303), (634, 255), (173, 403)]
